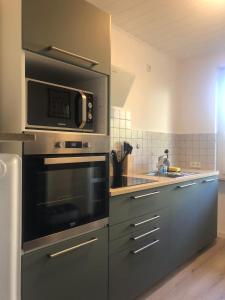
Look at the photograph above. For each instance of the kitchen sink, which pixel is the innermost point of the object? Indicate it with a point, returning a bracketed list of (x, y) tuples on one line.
[(172, 174)]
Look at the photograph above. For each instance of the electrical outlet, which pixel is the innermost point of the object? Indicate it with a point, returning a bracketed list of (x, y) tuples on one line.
[(192, 164), (195, 164), (198, 164)]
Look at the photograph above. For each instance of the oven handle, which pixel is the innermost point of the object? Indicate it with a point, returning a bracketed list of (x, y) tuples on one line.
[(72, 160)]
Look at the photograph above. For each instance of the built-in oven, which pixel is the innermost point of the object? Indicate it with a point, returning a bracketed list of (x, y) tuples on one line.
[(64, 194)]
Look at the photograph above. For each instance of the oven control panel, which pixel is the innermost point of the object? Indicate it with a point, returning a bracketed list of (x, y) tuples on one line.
[(72, 145)]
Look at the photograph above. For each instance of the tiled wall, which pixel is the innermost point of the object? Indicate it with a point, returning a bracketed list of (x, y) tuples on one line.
[(148, 146)]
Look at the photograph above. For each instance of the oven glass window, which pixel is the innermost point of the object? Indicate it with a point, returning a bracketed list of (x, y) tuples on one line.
[(62, 196)]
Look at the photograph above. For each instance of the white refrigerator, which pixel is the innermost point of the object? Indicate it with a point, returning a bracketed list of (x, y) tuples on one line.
[(10, 226)]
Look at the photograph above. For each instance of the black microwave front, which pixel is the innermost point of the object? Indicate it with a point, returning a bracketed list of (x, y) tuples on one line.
[(56, 107)]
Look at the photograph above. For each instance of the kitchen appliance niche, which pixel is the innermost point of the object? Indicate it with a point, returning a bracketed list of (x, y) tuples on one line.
[(46, 69)]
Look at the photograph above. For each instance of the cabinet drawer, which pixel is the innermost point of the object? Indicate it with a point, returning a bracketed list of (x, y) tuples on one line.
[(132, 205), (137, 225), (139, 231), (136, 241), (134, 271), (50, 274)]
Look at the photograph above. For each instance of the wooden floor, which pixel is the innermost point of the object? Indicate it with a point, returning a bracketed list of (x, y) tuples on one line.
[(201, 279)]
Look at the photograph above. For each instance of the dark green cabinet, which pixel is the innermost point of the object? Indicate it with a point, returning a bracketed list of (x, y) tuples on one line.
[(138, 246), (72, 31), (136, 204), (207, 212), (186, 222), (151, 233), (133, 272), (193, 218), (79, 274)]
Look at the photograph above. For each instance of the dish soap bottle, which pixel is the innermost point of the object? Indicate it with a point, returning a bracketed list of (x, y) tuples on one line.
[(163, 162)]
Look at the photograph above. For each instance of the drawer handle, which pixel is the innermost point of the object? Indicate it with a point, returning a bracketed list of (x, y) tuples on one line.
[(56, 254), (145, 221), (186, 185), (145, 195), (145, 247), (145, 234), (91, 61), (208, 180)]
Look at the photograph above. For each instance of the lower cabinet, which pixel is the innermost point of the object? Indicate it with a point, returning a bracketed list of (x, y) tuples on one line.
[(207, 212), (193, 218), (151, 233), (132, 272), (185, 216), (143, 262), (81, 274), (183, 222)]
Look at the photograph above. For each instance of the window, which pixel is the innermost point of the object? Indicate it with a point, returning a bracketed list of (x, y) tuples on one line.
[(221, 122)]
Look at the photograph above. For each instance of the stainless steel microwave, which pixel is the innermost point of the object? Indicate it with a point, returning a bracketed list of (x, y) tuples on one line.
[(56, 107)]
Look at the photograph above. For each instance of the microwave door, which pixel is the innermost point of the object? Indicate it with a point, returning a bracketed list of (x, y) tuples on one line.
[(81, 110)]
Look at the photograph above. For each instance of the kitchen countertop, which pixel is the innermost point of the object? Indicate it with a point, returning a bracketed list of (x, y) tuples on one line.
[(162, 181)]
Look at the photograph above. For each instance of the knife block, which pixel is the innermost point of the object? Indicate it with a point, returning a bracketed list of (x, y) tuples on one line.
[(128, 166)]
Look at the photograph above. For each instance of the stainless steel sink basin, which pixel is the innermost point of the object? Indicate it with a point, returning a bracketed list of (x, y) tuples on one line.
[(172, 174)]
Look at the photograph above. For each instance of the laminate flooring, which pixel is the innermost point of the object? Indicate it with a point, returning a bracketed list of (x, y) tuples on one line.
[(202, 278)]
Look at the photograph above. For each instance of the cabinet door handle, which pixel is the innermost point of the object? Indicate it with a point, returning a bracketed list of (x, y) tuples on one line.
[(145, 247), (65, 251), (145, 221), (145, 195), (91, 61), (208, 180), (145, 234), (186, 185)]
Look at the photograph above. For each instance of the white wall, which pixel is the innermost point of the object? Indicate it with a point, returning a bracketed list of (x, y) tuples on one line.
[(196, 100), (196, 106), (152, 93)]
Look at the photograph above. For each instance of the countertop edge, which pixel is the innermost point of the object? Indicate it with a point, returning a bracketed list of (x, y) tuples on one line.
[(160, 182)]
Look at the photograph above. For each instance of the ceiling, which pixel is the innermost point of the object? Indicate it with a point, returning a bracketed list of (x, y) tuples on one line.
[(181, 28)]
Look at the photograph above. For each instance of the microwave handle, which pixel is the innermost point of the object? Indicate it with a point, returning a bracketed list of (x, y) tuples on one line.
[(84, 110), (72, 160)]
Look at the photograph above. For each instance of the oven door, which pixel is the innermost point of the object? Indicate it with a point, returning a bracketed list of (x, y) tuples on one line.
[(63, 192)]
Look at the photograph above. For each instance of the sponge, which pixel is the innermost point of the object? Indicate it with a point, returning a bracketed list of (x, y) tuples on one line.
[(174, 169)]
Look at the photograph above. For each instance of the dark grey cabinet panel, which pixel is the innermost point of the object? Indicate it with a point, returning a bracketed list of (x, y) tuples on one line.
[(80, 274), (133, 205), (184, 222), (207, 212), (188, 222), (76, 27), (137, 268), (193, 218), (140, 235), (135, 225)]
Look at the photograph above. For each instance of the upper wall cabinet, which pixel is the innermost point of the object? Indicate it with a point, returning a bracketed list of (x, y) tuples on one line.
[(73, 31)]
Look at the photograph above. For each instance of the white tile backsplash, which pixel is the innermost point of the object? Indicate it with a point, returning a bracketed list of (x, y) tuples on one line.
[(183, 148)]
